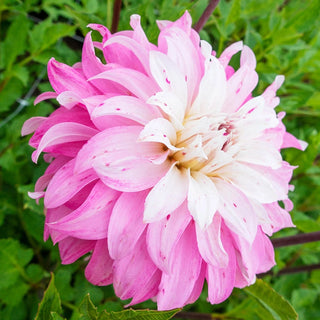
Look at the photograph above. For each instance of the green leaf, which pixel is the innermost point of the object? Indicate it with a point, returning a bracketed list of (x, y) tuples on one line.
[(9, 94), (15, 42), (138, 315), (87, 309), (55, 316), (272, 301), (13, 258), (50, 303)]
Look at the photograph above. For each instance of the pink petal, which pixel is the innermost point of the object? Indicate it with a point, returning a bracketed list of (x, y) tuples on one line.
[(177, 286), (289, 141), (210, 244), (279, 217), (134, 47), (65, 78), (90, 221), (69, 99), (44, 96), (221, 280), (32, 125), (99, 268), (126, 226), (198, 287), (53, 215), (163, 236), (58, 116), (252, 258), (65, 184), (72, 249), (136, 82), (62, 133), (135, 275), (117, 143), (127, 107), (229, 52), (167, 195), (129, 174)]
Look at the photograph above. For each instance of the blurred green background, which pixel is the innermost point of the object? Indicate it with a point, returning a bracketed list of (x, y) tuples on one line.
[(285, 37)]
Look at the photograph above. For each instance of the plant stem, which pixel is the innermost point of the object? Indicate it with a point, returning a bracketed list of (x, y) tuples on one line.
[(116, 15), (296, 239), (206, 14), (291, 270)]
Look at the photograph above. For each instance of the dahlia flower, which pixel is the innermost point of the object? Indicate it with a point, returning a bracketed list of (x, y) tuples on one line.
[(162, 165)]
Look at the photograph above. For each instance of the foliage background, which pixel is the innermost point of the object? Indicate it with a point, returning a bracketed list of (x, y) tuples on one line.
[(285, 37)]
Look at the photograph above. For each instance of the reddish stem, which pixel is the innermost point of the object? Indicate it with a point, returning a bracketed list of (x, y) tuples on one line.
[(296, 239), (116, 15), (206, 15)]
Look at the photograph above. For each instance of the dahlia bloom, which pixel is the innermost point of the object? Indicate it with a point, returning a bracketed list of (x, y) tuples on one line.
[(162, 165)]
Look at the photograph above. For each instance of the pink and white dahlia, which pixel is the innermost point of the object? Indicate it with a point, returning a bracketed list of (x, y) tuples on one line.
[(162, 165)]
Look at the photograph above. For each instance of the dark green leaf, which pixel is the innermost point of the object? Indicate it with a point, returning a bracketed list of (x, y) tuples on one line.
[(13, 259)]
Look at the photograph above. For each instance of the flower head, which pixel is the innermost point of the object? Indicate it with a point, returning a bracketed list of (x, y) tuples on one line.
[(163, 165)]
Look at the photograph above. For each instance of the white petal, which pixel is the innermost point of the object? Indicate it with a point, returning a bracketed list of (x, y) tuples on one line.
[(160, 130), (212, 88), (172, 105), (167, 195), (168, 76), (203, 199)]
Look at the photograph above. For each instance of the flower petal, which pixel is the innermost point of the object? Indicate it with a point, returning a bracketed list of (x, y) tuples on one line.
[(65, 78), (65, 184), (71, 249), (163, 236), (160, 130), (62, 133), (203, 199), (90, 221), (236, 210), (212, 89), (126, 226), (136, 82), (221, 280), (129, 174), (128, 107), (135, 275), (176, 287), (167, 195), (99, 268), (210, 244)]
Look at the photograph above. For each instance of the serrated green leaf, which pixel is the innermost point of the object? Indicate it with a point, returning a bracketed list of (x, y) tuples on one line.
[(50, 303), (279, 307), (55, 316), (13, 258), (131, 314), (87, 309)]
